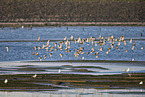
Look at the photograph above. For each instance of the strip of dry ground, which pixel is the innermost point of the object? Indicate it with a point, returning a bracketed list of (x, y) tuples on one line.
[(30, 24)]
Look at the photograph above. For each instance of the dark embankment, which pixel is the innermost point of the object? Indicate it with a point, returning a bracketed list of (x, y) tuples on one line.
[(19, 11)]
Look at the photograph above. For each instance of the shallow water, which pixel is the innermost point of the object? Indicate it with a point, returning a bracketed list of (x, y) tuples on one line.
[(79, 93), (76, 31), (21, 43), (93, 68)]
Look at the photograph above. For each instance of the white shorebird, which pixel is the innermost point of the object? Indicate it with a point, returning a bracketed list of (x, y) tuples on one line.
[(129, 75), (111, 45), (107, 52), (33, 53), (40, 58), (35, 47), (65, 38), (48, 42), (79, 40), (60, 55), (6, 81), (95, 43), (141, 82), (38, 38), (39, 48), (118, 43), (97, 56), (127, 70), (71, 37), (43, 46), (59, 71), (44, 57), (132, 59), (99, 37), (125, 42), (82, 58), (100, 49), (93, 49), (34, 76), (55, 49), (130, 40), (54, 44), (92, 42), (46, 49), (87, 40), (132, 48), (37, 54), (50, 55), (59, 46), (126, 50), (75, 41), (7, 49)]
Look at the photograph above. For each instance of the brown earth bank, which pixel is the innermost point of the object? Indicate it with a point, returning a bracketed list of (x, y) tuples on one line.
[(41, 82), (72, 11)]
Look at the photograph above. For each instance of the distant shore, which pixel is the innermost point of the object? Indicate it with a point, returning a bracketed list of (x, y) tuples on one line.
[(35, 24)]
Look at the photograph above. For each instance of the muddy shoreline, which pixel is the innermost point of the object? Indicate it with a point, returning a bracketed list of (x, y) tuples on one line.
[(59, 24), (24, 82)]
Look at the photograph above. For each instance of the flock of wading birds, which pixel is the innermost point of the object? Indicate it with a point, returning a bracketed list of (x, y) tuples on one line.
[(80, 51)]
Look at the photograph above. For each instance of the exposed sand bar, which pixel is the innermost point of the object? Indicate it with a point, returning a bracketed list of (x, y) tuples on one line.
[(73, 23)]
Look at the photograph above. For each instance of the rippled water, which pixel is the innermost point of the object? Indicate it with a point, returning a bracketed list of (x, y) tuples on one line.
[(78, 93), (61, 32), (20, 50)]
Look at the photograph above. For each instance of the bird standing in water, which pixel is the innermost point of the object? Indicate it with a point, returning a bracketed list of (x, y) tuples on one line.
[(60, 55), (7, 49), (59, 71), (38, 38), (127, 70)]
